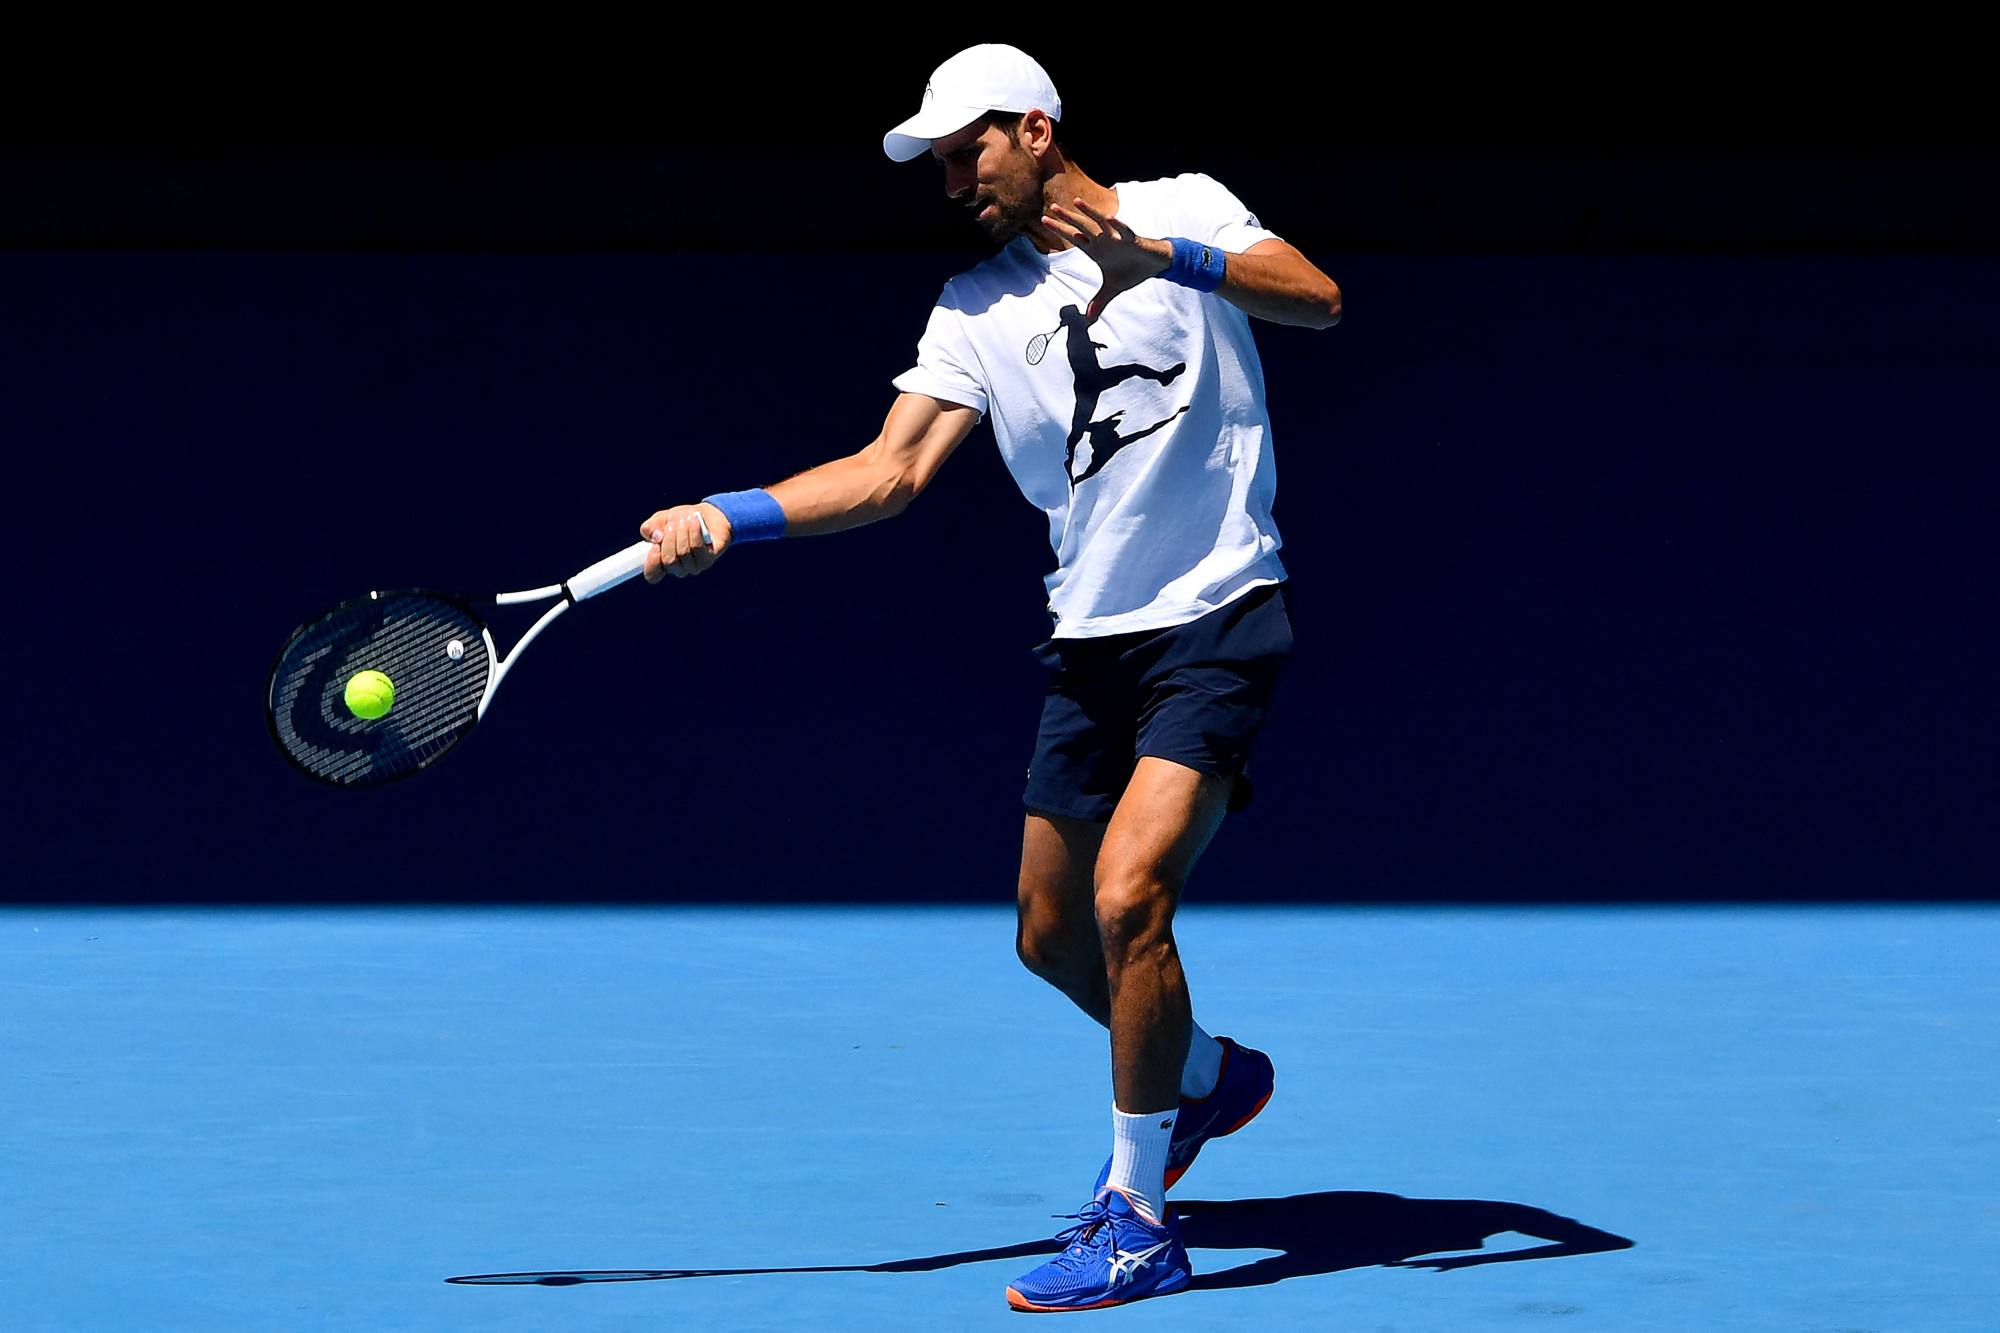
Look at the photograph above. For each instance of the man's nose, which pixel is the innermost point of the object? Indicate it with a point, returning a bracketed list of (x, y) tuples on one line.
[(957, 181)]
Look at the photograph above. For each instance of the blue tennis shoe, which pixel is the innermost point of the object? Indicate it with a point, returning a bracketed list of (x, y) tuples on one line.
[(1112, 1256), (1241, 1090)]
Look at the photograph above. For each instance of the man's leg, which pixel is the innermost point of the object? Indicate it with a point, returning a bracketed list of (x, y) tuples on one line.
[(1056, 924), (1122, 1247), (1056, 932), (1163, 823), (1200, 702)]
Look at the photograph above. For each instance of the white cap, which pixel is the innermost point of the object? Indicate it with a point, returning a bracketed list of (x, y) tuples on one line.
[(977, 80)]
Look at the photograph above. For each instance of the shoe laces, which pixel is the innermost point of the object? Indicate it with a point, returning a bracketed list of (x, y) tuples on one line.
[(1092, 1216)]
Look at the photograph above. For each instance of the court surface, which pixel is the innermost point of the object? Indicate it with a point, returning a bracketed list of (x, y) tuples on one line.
[(1783, 1118)]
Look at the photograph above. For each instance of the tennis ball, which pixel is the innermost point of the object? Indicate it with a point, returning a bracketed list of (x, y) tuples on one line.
[(370, 694)]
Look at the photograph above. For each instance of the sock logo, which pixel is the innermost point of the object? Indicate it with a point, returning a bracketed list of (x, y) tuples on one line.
[(1168, 1123)]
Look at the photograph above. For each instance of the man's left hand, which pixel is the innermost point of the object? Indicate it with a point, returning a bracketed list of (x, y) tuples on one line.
[(1125, 257)]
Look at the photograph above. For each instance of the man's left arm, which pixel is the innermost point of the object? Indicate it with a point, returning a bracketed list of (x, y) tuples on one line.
[(1273, 281), (1270, 280)]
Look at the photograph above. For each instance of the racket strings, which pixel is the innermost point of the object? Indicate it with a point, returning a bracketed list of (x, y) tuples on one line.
[(406, 636), (1038, 346)]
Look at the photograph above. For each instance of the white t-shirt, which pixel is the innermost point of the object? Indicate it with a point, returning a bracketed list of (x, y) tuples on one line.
[(1143, 437)]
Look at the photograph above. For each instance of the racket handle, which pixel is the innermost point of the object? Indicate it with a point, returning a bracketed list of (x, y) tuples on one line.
[(613, 570)]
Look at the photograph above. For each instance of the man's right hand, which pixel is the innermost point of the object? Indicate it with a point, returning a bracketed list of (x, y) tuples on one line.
[(677, 545)]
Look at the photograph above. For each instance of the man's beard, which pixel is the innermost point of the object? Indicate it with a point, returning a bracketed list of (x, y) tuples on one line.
[(1006, 221)]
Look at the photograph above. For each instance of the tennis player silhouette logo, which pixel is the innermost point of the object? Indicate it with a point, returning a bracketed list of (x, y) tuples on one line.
[(1091, 380)]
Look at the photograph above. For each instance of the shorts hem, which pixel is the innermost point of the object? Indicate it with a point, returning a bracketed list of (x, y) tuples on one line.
[(1205, 765), (1036, 807), (1242, 790)]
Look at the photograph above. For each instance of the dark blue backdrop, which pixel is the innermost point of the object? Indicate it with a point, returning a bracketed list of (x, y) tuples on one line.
[(1614, 577)]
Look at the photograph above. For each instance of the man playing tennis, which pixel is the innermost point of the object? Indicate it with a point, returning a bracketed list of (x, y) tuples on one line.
[(1147, 445)]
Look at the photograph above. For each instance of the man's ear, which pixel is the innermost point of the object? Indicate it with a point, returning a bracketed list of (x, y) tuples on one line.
[(1038, 132)]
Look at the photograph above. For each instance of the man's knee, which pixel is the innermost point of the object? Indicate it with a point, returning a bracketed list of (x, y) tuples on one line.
[(1135, 906), (1056, 936), (1052, 945), (1042, 953)]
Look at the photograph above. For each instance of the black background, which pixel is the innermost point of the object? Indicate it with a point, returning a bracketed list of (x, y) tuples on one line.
[(1639, 513)]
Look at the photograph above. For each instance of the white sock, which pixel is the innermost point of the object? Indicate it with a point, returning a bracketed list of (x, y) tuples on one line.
[(1139, 1159), (1203, 1069)]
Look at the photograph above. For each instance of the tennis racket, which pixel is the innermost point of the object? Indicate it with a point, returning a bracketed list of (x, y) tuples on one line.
[(1038, 345), (438, 655)]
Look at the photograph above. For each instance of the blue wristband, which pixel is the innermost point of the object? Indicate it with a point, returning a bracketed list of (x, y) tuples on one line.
[(1194, 264), (753, 515)]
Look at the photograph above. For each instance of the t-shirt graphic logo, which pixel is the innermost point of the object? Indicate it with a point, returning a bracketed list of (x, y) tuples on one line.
[(1091, 381)]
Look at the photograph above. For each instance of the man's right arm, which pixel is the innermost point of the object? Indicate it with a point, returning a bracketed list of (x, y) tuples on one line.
[(877, 482)]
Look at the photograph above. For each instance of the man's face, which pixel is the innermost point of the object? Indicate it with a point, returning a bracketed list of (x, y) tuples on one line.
[(994, 176)]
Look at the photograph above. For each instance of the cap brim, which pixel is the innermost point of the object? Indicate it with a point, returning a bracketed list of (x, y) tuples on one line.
[(912, 138)]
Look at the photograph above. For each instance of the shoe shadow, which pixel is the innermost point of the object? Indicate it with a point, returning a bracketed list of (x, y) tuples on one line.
[(1315, 1233)]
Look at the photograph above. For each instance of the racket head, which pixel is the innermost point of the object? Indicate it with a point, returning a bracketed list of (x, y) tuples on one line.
[(1038, 347), (405, 634)]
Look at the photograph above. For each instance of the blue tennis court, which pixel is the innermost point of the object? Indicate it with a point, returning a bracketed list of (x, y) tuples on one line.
[(1626, 1118)]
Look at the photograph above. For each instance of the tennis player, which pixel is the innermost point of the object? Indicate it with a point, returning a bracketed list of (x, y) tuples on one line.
[(1143, 437)]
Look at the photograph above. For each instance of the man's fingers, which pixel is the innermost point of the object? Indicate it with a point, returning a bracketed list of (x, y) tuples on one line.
[(1062, 228), (686, 553), (681, 546), (1104, 297), (1076, 225), (1108, 224), (1093, 214)]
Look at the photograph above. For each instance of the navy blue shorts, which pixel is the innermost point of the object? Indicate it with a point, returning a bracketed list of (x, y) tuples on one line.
[(1194, 693)]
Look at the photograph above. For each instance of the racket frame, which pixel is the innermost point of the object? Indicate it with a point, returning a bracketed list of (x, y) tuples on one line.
[(619, 567)]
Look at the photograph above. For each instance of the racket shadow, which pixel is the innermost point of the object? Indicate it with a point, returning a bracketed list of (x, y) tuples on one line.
[(927, 1264), (1327, 1232)]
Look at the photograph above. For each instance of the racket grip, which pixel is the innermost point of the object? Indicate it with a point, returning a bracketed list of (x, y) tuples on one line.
[(613, 570)]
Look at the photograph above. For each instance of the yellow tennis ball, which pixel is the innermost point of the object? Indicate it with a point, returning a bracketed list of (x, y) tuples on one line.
[(370, 694)]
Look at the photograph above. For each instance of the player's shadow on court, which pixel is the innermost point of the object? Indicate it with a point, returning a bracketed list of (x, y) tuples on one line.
[(1338, 1230), (1314, 1233)]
